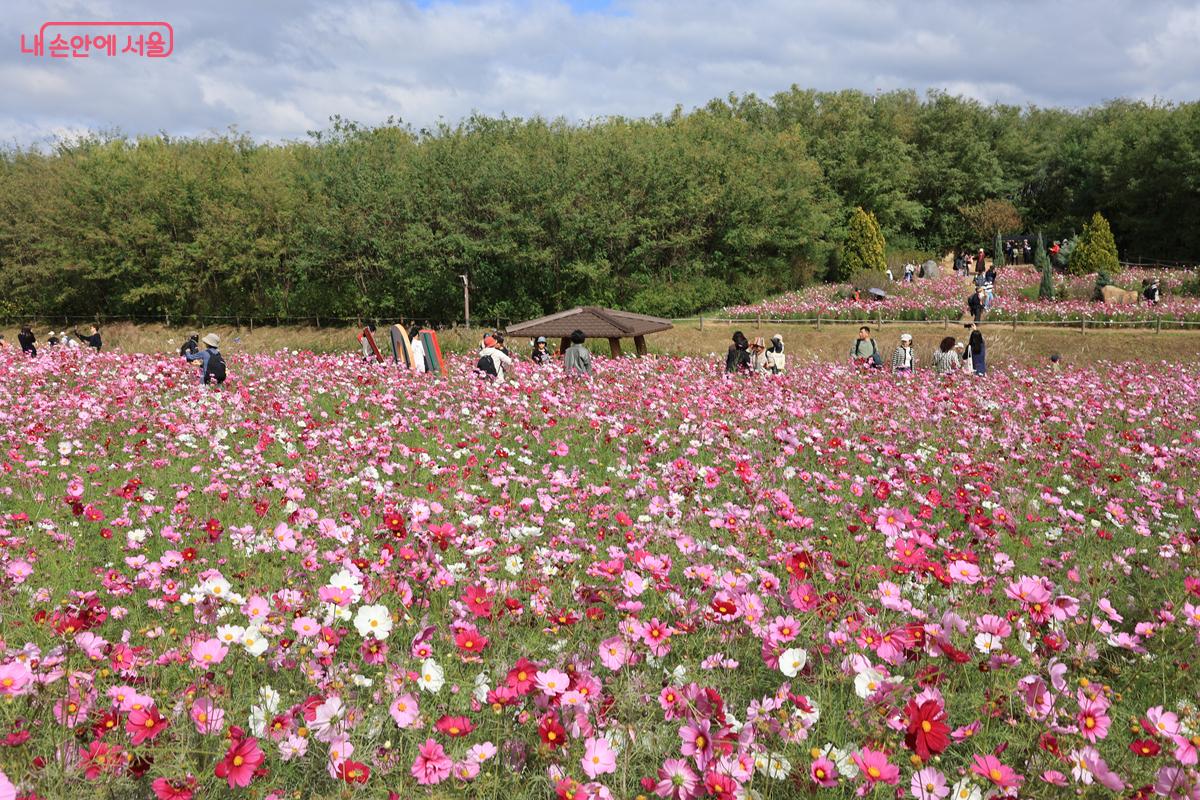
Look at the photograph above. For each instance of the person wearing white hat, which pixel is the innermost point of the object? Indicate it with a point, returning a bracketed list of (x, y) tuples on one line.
[(904, 358), (212, 363)]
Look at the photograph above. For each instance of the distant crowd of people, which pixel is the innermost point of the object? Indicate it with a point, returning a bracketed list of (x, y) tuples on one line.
[(949, 356), (746, 356), (28, 340)]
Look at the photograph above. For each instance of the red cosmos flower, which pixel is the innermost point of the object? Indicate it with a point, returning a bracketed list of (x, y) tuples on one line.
[(552, 732), (145, 724), (353, 771), (470, 641), (1146, 748), (478, 600), (394, 520), (174, 789), (927, 731), (569, 789), (106, 722), (241, 760), (213, 529), (99, 758), (189, 554), (454, 726)]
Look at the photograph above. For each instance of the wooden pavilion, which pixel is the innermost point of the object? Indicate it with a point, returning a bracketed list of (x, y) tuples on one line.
[(596, 323)]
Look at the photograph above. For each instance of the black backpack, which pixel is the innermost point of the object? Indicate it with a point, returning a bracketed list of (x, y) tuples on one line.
[(216, 368), (486, 365)]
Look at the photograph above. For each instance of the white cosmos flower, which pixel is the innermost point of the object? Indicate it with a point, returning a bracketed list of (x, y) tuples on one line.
[(792, 660), (433, 677), (373, 621)]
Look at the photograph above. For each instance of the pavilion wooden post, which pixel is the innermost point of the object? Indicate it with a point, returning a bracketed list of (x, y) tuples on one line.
[(639, 344), (614, 345)]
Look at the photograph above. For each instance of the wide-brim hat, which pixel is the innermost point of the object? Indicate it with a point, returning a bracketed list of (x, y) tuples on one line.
[(212, 340)]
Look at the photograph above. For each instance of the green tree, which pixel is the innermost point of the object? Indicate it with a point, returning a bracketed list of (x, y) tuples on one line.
[(864, 245), (1046, 288), (1094, 250), (998, 251)]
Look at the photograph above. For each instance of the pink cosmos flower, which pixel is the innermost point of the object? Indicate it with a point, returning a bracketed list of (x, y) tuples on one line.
[(15, 678), (614, 652), (432, 765), (552, 682), (405, 711), (697, 742), (823, 772), (929, 784), (207, 716), (208, 653), (875, 767), (989, 767), (598, 757), (676, 780)]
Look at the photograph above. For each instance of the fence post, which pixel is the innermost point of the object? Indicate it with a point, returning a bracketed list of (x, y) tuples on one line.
[(818, 321), (1082, 324), (1014, 324), (252, 324), (701, 322), (1158, 323), (760, 320)]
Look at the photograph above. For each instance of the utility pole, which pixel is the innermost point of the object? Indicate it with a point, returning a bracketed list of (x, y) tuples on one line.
[(466, 300)]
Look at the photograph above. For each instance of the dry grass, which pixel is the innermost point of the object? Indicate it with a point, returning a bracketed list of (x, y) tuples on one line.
[(1025, 346)]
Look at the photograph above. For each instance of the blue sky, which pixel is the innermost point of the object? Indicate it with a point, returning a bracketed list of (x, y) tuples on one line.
[(279, 68)]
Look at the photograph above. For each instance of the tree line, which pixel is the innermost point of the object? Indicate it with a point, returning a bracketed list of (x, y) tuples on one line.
[(665, 215)]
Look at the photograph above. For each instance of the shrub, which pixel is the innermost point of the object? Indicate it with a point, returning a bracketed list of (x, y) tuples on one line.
[(1094, 250), (864, 245)]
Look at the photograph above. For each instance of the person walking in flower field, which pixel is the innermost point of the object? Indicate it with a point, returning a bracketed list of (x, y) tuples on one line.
[(578, 359)]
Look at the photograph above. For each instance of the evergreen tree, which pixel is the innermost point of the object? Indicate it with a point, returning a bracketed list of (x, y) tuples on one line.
[(998, 251), (1094, 250), (1046, 289), (864, 245)]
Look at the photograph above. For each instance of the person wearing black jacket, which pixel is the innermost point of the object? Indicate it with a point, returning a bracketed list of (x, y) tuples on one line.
[(975, 304), (738, 357), (92, 339), (191, 346), (28, 341)]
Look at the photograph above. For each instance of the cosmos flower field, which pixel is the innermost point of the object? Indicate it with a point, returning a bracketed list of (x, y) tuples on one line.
[(334, 579), (945, 297)]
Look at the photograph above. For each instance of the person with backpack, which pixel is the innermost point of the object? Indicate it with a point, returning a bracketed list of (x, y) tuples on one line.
[(738, 357), (578, 359), (212, 363), (492, 361), (191, 346), (28, 341), (864, 351)]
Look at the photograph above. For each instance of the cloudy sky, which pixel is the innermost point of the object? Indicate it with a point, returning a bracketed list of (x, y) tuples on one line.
[(279, 68)]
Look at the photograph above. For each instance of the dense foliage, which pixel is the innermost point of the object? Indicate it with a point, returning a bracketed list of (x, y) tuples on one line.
[(665, 215)]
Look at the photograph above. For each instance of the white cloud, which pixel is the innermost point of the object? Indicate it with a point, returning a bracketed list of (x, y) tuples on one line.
[(277, 68)]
